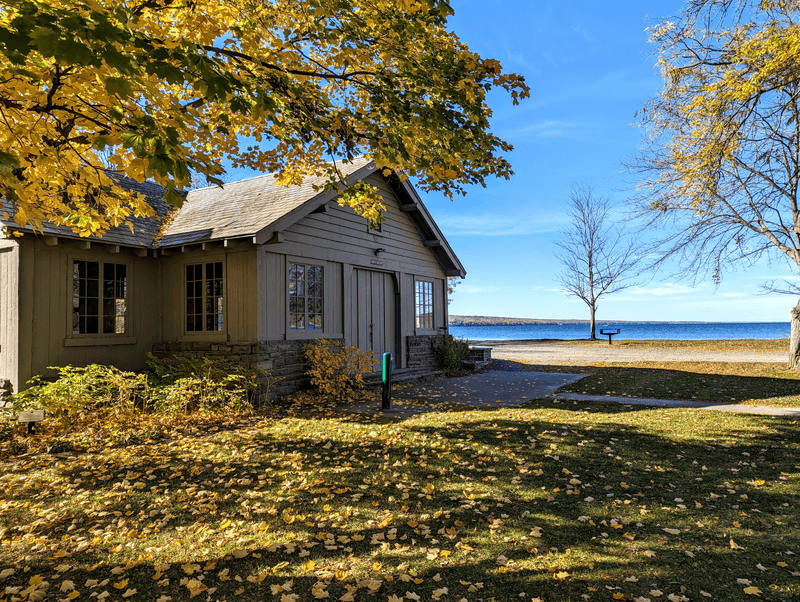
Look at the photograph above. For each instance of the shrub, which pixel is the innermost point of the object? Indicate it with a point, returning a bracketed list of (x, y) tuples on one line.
[(77, 391), (169, 386), (335, 369), (181, 384), (452, 352)]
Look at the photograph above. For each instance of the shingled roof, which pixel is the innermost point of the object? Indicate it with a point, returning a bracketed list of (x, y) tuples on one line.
[(145, 229), (245, 208), (252, 208)]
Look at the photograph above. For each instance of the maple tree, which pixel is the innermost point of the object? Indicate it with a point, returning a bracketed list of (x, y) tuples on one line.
[(722, 160), (163, 89)]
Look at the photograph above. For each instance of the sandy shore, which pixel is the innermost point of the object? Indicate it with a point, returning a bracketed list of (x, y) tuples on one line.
[(540, 352)]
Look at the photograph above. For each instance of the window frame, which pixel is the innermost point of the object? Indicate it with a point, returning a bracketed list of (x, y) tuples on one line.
[(417, 327), (74, 339), (204, 334), (305, 333)]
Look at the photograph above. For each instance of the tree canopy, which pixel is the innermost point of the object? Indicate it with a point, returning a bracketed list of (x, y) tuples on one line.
[(722, 157), (165, 89)]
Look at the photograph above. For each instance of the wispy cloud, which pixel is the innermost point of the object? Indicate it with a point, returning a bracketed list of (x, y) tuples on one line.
[(661, 291), (474, 289), (500, 225), (551, 128)]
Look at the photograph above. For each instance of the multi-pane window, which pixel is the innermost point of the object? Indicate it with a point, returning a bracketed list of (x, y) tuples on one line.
[(305, 296), (424, 305), (99, 297), (204, 297)]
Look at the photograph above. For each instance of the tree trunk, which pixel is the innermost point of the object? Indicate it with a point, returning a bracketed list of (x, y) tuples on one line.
[(593, 308), (794, 338)]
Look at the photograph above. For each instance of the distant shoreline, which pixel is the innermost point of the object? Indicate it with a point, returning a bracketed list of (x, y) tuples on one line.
[(499, 321)]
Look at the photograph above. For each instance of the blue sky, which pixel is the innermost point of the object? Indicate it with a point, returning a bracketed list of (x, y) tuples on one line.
[(590, 68)]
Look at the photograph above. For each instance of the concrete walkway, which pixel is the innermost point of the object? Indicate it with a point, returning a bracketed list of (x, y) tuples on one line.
[(674, 403), (505, 389)]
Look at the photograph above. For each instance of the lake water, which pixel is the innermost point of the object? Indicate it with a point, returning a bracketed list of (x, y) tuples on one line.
[(684, 331)]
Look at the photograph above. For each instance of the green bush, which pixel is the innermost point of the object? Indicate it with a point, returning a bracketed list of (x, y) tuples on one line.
[(452, 352), (169, 386), (77, 391), (181, 384)]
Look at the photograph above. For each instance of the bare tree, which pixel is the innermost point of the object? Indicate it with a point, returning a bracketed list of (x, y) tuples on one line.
[(597, 256), (721, 163)]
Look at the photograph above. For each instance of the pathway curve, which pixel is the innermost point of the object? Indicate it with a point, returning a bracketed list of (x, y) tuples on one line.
[(547, 353), (509, 387)]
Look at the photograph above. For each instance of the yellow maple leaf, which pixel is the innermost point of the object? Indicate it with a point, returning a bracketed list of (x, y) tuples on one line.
[(752, 590)]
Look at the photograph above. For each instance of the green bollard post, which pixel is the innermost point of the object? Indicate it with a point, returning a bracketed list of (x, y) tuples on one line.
[(386, 373)]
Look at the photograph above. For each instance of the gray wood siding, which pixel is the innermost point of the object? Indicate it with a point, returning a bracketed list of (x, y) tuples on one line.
[(273, 283), (45, 316), (9, 312), (373, 314), (272, 309), (240, 294), (343, 241), (341, 235)]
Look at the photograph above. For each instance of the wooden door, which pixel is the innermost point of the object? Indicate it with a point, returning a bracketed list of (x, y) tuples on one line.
[(373, 313)]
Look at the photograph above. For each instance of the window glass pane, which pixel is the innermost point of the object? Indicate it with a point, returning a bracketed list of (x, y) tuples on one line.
[(119, 322), (93, 270), (424, 305), (92, 325), (108, 324), (92, 288), (204, 297)]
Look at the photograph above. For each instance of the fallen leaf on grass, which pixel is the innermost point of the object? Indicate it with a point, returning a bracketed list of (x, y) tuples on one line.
[(752, 590)]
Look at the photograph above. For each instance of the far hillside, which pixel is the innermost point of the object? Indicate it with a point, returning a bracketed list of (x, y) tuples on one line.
[(499, 321)]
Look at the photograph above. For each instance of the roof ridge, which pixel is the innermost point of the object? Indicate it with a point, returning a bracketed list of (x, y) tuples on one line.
[(273, 174)]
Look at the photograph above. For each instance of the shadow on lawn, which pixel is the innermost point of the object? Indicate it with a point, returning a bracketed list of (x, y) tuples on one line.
[(662, 383), (496, 475)]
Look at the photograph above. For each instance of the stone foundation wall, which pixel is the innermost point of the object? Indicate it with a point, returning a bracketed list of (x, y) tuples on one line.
[(6, 389), (282, 360), (421, 351)]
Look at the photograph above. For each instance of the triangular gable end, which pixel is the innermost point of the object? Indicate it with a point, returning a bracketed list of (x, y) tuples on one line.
[(410, 204)]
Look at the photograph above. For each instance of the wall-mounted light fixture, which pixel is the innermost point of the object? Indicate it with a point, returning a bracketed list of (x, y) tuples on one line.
[(379, 251)]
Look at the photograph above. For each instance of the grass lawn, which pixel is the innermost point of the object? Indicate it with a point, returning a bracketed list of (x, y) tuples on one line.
[(551, 501), (750, 383)]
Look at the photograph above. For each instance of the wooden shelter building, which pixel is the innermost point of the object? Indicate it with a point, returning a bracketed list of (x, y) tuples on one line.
[(248, 272)]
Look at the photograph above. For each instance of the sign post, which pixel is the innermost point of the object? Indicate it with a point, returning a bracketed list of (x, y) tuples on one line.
[(386, 373), (31, 418)]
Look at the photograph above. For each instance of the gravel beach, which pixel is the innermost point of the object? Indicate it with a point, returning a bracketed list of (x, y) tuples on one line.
[(543, 352)]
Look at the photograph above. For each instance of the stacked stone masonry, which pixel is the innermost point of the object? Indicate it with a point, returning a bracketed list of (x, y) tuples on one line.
[(281, 363), (5, 391), (422, 351)]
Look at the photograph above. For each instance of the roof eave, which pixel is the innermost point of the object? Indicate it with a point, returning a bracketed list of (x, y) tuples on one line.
[(423, 220)]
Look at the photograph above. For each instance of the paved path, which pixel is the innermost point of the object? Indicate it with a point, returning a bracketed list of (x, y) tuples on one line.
[(674, 403), (546, 353), (496, 388)]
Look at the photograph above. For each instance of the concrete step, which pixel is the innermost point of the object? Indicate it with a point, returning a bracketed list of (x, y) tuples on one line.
[(404, 375)]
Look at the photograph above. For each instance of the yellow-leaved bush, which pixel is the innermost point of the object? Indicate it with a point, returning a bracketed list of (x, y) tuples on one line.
[(335, 369)]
